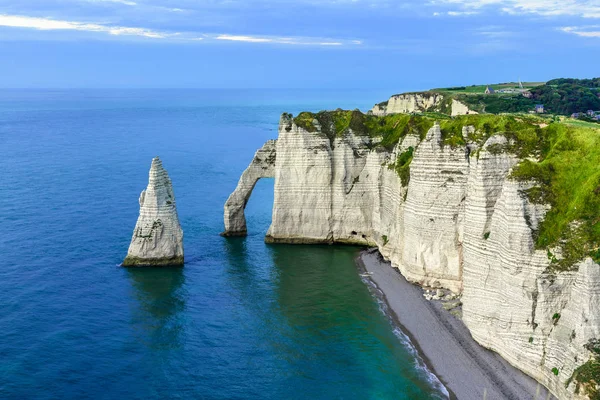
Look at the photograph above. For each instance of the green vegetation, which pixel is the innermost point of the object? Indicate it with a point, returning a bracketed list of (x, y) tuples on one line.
[(486, 235), (385, 240), (567, 96), (530, 339), (402, 165), (559, 96), (498, 103), (587, 375), (555, 371), (568, 178), (555, 318), (481, 88), (523, 130), (390, 128)]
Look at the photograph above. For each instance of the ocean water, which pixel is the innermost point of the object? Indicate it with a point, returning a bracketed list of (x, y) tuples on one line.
[(241, 320)]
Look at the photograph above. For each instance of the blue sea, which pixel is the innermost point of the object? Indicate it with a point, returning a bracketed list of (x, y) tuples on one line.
[(241, 320)]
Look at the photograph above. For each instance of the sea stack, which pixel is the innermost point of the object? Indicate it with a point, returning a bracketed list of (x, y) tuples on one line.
[(157, 238)]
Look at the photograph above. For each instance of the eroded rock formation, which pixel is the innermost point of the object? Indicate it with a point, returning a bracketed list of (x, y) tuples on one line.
[(261, 166), (157, 238), (458, 222), (421, 102)]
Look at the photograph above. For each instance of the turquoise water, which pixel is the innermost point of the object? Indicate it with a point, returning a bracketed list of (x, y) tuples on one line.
[(242, 320)]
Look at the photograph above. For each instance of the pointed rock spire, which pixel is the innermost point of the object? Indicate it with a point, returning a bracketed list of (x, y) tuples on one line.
[(157, 237)]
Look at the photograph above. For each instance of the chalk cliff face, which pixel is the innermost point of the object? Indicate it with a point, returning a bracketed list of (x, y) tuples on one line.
[(459, 223), (157, 238), (421, 102)]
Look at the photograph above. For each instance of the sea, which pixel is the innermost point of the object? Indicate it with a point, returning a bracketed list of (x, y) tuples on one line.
[(241, 320)]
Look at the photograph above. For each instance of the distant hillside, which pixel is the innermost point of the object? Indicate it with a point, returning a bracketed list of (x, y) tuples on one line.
[(559, 96)]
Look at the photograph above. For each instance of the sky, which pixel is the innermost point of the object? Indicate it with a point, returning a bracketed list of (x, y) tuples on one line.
[(398, 44)]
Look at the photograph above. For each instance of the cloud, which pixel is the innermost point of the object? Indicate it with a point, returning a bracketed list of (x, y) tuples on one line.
[(583, 31), (46, 24), (455, 13), (461, 13), (137, 5), (493, 31), (249, 39), (125, 2), (286, 40), (549, 8)]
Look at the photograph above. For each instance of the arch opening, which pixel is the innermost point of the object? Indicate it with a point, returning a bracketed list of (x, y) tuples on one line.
[(261, 166)]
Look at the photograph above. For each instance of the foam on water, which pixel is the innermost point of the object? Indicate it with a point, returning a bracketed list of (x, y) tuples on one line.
[(419, 363)]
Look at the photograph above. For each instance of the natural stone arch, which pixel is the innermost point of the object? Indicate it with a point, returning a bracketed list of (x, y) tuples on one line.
[(262, 166)]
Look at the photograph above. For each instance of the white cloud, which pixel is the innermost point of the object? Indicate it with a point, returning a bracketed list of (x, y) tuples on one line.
[(286, 40), (455, 13), (125, 2), (47, 24), (581, 8), (461, 13), (250, 39), (493, 31), (583, 31)]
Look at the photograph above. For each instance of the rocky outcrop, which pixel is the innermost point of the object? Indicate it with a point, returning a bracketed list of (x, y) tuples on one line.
[(322, 186), (157, 237), (458, 108), (421, 102), (261, 166), (459, 223)]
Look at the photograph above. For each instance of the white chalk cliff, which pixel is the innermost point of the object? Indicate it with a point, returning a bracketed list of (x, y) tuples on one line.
[(460, 223), (157, 238), (421, 102)]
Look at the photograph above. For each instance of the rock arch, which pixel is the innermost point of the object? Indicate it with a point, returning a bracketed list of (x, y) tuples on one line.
[(262, 166)]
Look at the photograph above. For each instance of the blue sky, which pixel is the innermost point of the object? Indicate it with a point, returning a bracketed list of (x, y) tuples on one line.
[(396, 44)]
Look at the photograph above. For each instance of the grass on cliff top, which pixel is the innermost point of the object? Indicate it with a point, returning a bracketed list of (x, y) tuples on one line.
[(567, 178), (525, 130), (563, 159), (390, 128), (481, 88)]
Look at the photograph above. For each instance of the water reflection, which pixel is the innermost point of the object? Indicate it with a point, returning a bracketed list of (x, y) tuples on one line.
[(158, 313), (247, 271), (237, 254), (318, 279)]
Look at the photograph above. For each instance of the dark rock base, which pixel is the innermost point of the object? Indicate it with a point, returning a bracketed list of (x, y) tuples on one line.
[(234, 234), (153, 262)]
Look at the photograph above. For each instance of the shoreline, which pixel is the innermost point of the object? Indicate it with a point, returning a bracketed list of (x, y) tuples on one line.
[(467, 370)]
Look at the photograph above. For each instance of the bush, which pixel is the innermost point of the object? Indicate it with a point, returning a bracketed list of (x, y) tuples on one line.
[(402, 165), (555, 318)]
